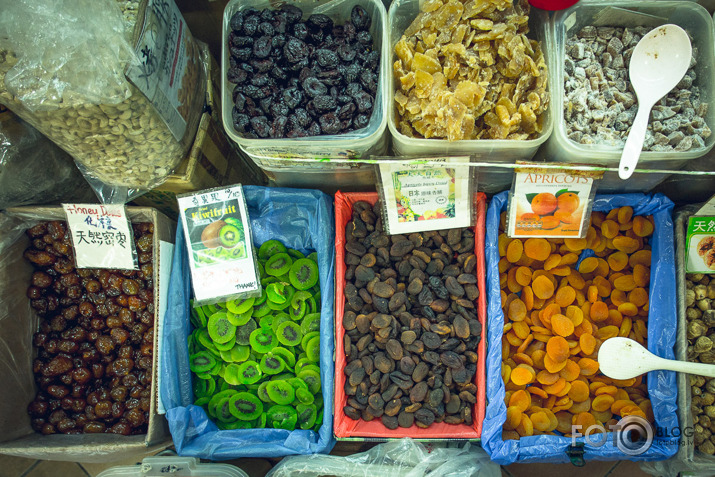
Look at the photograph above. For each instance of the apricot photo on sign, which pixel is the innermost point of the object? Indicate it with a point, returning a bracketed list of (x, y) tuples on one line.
[(560, 212)]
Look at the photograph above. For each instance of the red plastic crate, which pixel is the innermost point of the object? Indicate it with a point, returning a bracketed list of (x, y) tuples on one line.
[(343, 426)]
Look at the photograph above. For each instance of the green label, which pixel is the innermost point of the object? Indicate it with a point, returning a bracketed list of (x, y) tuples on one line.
[(700, 248)]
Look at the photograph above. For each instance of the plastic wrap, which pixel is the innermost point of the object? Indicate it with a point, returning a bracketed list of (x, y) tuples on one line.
[(18, 323), (94, 77), (303, 220), (348, 428), (399, 458), (662, 326), (33, 170)]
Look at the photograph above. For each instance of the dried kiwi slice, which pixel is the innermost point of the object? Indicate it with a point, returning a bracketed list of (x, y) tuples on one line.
[(249, 372), (307, 414), (266, 321), (204, 387), (243, 333), (282, 417), (271, 364), (279, 264), (262, 392), (261, 299), (227, 345), (310, 323), (270, 248), (312, 307), (239, 307), (307, 338), (304, 396), (239, 353), (312, 379), (278, 319), (201, 362), (297, 311), (263, 340), (280, 392), (313, 349), (313, 256), (303, 273), (242, 319), (287, 355), (295, 253), (217, 398), (261, 310), (277, 292), (245, 406), (230, 374), (220, 329), (289, 333), (223, 410)]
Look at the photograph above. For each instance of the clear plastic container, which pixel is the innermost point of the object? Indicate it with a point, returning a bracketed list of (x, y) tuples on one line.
[(176, 467), (277, 156), (688, 15), (400, 16)]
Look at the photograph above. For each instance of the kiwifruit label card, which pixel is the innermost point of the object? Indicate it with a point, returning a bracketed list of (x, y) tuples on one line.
[(219, 244), (550, 203)]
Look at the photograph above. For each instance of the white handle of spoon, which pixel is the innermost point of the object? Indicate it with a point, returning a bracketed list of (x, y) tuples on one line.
[(634, 143), (699, 369)]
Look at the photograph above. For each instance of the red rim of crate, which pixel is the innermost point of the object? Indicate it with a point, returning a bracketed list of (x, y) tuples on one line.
[(344, 427)]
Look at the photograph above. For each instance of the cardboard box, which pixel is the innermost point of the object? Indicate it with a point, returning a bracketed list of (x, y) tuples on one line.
[(18, 323)]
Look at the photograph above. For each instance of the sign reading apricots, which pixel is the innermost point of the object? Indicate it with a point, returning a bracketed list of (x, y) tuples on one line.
[(550, 203)]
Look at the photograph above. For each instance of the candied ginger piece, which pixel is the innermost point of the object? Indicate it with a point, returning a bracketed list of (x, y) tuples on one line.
[(425, 63), (482, 24), (448, 15), (459, 32), (404, 52), (469, 93), (408, 81), (431, 5), (423, 84), (455, 113)]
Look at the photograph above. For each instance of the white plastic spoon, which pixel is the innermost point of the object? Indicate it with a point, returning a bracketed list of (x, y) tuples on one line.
[(624, 358), (658, 63)]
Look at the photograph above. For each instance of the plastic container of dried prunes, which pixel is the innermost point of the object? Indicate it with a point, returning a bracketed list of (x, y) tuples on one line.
[(690, 16), (281, 159)]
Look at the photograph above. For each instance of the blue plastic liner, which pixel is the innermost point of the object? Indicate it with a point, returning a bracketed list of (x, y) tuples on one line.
[(662, 324), (303, 220)]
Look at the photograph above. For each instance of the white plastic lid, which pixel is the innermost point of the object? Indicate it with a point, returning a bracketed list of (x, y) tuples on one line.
[(174, 466)]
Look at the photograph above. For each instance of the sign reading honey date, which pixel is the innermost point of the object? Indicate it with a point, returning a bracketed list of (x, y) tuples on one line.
[(411, 326)]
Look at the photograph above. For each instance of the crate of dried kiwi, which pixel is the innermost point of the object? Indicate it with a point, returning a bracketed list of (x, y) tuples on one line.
[(409, 316), (551, 304), (253, 377), (79, 345)]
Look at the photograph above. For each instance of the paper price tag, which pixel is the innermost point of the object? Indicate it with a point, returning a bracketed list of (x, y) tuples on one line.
[(101, 236), (708, 208), (700, 248), (550, 203), (219, 242)]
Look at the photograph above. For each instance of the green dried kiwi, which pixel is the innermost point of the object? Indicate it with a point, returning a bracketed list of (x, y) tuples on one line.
[(245, 406), (261, 421), (226, 356), (303, 274), (198, 318), (243, 333), (279, 264), (230, 375), (318, 421), (242, 319), (304, 396), (313, 304), (203, 375), (201, 362), (266, 321), (204, 339), (310, 323), (276, 292), (239, 353), (295, 253), (271, 364), (311, 378), (270, 248), (288, 333), (223, 410), (260, 299), (278, 319), (217, 398), (221, 371), (263, 340), (193, 347), (249, 372), (217, 368), (262, 393), (280, 392), (302, 362), (300, 295), (202, 401), (313, 349), (220, 329), (307, 414), (297, 383), (306, 339), (313, 256), (210, 309), (282, 377), (318, 401), (237, 424), (239, 307), (261, 271), (262, 310), (281, 417), (227, 345), (268, 280), (287, 355), (204, 387), (298, 312)]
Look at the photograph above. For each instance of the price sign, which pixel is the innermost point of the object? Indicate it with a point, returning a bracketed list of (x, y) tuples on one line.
[(101, 236), (419, 197), (550, 203), (700, 248)]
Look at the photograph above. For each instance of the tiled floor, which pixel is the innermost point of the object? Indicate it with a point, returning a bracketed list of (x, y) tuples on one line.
[(19, 467)]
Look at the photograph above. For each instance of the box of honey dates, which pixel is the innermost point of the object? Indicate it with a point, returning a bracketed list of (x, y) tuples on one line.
[(410, 312), (78, 346)]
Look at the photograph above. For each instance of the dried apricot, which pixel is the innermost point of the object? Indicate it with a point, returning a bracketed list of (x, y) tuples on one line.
[(579, 391), (542, 287), (624, 283), (588, 265), (598, 311), (520, 400), (642, 257), (625, 244), (575, 244), (618, 261), (625, 214), (525, 428), (537, 248), (513, 417), (514, 250), (517, 310), (588, 366), (562, 325), (521, 377), (641, 275), (609, 228)]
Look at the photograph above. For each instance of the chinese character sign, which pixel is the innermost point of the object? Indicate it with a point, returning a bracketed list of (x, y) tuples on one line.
[(700, 248)]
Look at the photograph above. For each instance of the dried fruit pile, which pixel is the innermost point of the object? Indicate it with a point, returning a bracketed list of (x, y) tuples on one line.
[(95, 343), (298, 79), (700, 313), (467, 70), (411, 327), (560, 303), (256, 361)]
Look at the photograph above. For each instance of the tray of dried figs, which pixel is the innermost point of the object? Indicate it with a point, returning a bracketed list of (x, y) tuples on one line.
[(409, 318), (78, 344)]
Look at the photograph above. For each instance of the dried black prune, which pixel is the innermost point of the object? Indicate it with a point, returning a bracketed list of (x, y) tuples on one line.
[(360, 18)]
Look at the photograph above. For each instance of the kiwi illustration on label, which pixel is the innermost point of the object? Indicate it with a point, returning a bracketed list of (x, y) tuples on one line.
[(210, 235), (229, 235)]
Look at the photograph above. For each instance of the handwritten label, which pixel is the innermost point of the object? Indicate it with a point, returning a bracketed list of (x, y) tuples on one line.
[(419, 197), (101, 236), (700, 248), (550, 203), (219, 242)]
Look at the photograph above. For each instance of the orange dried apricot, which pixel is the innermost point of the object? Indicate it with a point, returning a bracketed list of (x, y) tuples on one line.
[(598, 311), (588, 366), (638, 296), (641, 275), (642, 226), (625, 214), (513, 417), (525, 428), (588, 343), (565, 295), (609, 228), (520, 400), (537, 248), (523, 276), (521, 376), (562, 325), (514, 250), (625, 244), (517, 310), (624, 283), (642, 257), (575, 244), (579, 391), (585, 420), (618, 261), (540, 421), (557, 348), (542, 287), (588, 265)]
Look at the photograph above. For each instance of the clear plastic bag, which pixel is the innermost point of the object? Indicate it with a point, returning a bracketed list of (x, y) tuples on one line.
[(93, 76), (397, 458), (33, 170)]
